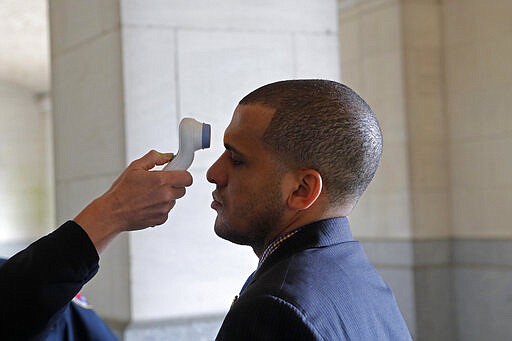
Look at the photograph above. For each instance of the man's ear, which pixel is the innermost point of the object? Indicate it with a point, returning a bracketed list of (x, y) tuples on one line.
[(307, 188)]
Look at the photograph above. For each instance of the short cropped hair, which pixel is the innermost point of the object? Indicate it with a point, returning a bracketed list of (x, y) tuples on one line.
[(326, 126)]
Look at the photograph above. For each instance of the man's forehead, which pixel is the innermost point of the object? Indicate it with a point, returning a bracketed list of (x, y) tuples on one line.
[(251, 117), (247, 126)]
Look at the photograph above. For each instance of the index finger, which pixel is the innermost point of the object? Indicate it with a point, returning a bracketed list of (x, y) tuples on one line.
[(152, 159), (176, 178)]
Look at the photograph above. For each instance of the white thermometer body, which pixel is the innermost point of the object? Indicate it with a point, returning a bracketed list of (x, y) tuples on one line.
[(194, 135)]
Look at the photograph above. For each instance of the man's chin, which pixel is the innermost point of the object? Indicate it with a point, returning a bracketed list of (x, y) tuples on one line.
[(227, 233)]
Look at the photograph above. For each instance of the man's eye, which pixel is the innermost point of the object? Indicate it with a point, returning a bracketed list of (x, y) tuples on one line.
[(236, 162), (234, 158)]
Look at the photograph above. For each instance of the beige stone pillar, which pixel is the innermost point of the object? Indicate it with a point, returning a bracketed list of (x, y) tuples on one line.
[(437, 73), (26, 205), (391, 51), (477, 41)]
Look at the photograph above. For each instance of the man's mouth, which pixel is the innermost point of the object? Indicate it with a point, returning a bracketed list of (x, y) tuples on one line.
[(216, 203)]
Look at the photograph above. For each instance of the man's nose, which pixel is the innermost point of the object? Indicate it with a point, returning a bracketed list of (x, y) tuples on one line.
[(213, 174)]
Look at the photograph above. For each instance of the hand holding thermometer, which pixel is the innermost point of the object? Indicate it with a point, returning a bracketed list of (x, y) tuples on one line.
[(194, 135)]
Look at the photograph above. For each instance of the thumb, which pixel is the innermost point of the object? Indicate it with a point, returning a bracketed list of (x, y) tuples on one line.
[(152, 159)]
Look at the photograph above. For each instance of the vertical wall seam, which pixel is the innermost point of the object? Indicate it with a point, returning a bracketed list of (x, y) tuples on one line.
[(122, 32), (177, 73)]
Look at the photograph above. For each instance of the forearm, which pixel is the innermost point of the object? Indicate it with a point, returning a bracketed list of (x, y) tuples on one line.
[(99, 222), (39, 281)]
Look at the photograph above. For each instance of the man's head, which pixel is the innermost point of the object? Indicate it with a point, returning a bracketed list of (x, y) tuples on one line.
[(326, 126), (304, 145)]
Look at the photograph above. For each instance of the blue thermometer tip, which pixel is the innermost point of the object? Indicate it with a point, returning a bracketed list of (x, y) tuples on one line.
[(207, 130)]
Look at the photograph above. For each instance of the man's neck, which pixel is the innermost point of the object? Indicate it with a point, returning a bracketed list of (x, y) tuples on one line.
[(294, 219)]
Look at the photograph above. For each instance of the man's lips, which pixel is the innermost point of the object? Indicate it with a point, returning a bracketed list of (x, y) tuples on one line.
[(216, 203)]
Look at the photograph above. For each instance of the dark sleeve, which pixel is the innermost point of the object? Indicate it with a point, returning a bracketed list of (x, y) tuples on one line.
[(38, 282), (266, 318)]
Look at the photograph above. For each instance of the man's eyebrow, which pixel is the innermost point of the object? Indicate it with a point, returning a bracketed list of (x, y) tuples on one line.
[(232, 149)]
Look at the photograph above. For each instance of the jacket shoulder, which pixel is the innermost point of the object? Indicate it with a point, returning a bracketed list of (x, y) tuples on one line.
[(337, 290)]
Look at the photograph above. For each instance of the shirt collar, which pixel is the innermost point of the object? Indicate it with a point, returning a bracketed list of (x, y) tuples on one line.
[(275, 244), (317, 234)]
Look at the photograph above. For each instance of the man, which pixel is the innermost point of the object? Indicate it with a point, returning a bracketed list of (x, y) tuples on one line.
[(298, 156), (37, 284)]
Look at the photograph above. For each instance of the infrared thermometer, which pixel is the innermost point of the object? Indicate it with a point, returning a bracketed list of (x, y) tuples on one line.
[(194, 135)]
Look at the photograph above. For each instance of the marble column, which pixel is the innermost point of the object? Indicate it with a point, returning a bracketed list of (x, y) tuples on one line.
[(26, 201), (438, 76), (477, 41)]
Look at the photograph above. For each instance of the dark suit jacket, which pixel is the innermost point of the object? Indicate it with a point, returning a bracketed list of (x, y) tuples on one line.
[(318, 285), (37, 283)]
